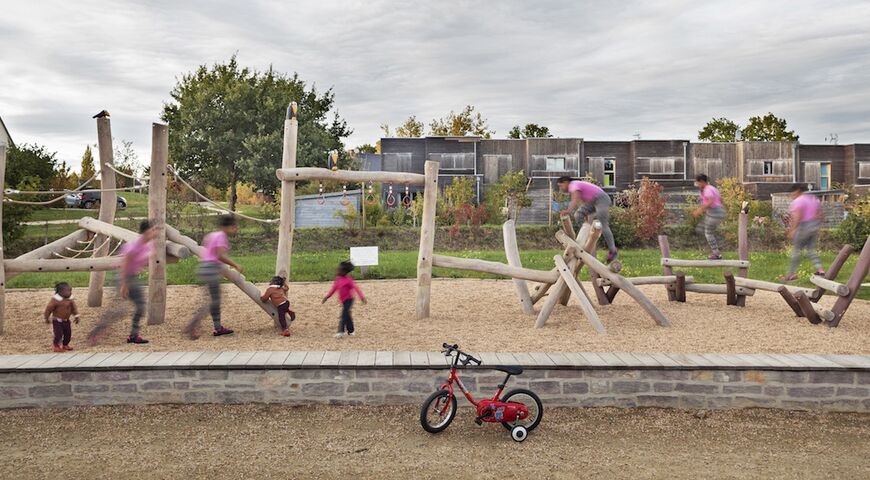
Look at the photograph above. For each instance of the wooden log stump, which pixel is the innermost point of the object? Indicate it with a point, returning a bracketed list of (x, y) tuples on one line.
[(680, 287), (731, 289), (790, 300)]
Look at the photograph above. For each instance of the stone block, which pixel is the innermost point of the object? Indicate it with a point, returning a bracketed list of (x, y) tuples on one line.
[(272, 379), (206, 386), (663, 387), (213, 374), (785, 376), (622, 386), (665, 374), (238, 396), (696, 388), (358, 387), (599, 386), (383, 373), (834, 376), (575, 387), (746, 389), (181, 385), (719, 402), (91, 388), (545, 386), (43, 377), (842, 405), (310, 374), (862, 378), (112, 376), (156, 385), (693, 401), (124, 388), (660, 401), (774, 391), (752, 402), (615, 374), (240, 386), (396, 399), (853, 392), (76, 376), (46, 391), (323, 389), (560, 374), (799, 404), (152, 374), (9, 393), (810, 392), (196, 397)]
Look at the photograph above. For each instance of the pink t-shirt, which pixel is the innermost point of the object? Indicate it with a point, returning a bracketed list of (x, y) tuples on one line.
[(212, 243), (805, 207), (710, 197), (345, 286), (138, 252), (588, 191)]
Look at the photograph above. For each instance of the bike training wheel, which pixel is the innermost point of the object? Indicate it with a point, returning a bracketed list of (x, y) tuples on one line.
[(438, 411), (531, 401)]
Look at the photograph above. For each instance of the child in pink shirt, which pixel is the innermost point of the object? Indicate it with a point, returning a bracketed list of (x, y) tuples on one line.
[(215, 246), (595, 202), (346, 288), (805, 215), (713, 212)]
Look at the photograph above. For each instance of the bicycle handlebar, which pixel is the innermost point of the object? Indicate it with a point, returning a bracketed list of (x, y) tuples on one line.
[(449, 349)]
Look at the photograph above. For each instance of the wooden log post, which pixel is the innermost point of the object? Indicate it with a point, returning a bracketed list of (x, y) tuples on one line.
[(834, 287), (768, 286), (615, 278), (108, 205), (833, 270), (568, 225), (742, 249), (299, 174), (157, 214), (494, 268), (2, 251), (512, 252), (676, 262), (233, 276), (87, 264), (790, 300), (554, 297), (583, 237), (679, 287), (427, 240), (862, 267), (665, 248), (807, 308), (730, 289), (567, 274), (172, 248), (288, 196)]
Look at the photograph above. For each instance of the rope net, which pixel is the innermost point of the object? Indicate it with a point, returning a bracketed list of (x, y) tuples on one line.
[(212, 202)]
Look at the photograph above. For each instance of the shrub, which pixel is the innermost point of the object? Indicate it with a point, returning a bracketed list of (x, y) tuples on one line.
[(644, 208), (733, 194), (624, 227), (349, 216), (508, 196), (460, 192), (855, 228)]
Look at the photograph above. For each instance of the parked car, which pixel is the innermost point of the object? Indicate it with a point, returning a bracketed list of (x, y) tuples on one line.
[(90, 200)]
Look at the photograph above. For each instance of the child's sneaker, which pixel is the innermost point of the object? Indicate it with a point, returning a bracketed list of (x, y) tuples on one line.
[(292, 315), (788, 278), (67, 348), (714, 256), (286, 332), (222, 331), (611, 256), (339, 335), (56, 349), (351, 334), (820, 273), (137, 340)]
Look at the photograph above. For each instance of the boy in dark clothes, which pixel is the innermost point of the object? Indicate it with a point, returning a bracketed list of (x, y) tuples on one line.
[(59, 311), (277, 294)]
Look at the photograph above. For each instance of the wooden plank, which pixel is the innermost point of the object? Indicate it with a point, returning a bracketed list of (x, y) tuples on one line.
[(366, 358), (419, 359), (348, 358), (63, 265), (223, 359), (512, 253), (288, 195), (718, 360), (630, 359), (168, 359), (833, 270), (129, 361), (524, 359), (188, 358), (401, 359), (331, 359), (542, 359), (772, 360), (829, 285), (488, 358), (594, 359), (663, 359), (438, 359), (259, 358), (768, 286), (313, 359), (681, 359), (506, 358), (680, 287), (699, 360), (650, 280), (730, 289), (77, 359), (717, 289), (570, 279), (48, 250), (850, 361), (95, 359), (107, 229), (611, 359), (819, 361), (859, 273), (427, 240), (674, 262), (494, 268), (151, 359), (241, 359), (576, 359), (559, 359), (384, 359)]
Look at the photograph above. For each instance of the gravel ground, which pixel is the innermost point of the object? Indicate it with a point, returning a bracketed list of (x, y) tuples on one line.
[(481, 315), (271, 441)]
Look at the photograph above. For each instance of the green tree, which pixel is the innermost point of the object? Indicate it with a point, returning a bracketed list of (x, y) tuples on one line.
[(459, 192), (28, 167), (88, 169), (127, 161), (769, 128), (509, 195), (719, 130), (466, 122), (531, 130), (411, 128), (227, 123), (367, 148)]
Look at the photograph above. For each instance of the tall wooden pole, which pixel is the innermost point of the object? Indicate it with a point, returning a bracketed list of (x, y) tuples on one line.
[(108, 205), (288, 196), (157, 214), (512, 252), (2, 252), (427, 240), (742, 249)]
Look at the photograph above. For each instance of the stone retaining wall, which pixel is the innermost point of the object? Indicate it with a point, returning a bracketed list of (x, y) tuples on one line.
[(805, 387)]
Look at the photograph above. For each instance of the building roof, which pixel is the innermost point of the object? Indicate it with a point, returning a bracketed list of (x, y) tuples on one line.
[(6, 131)]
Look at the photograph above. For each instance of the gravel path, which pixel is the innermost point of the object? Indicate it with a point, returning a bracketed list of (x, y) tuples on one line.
[(481, 315), (270, 441)]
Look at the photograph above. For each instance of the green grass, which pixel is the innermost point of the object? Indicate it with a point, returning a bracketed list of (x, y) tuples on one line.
[(137, 206), (320, 266)]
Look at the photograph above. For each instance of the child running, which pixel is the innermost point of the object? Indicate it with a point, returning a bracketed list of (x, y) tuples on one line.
[(805, 221), (346, 287), (277, 294), (215, 246), (595, 202), (136, 255), (714, 213), (59, 311)]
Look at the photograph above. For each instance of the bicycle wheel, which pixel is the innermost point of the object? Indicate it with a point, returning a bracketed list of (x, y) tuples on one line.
[(531, 401), (438, 411)]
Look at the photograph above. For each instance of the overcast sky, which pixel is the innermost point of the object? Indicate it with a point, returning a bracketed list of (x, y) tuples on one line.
[(597, 70)]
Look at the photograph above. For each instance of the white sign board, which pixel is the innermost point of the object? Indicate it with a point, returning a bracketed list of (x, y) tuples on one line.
[(364, 256)]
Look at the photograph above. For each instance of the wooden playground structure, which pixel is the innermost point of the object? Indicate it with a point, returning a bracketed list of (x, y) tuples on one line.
[(89, 249)]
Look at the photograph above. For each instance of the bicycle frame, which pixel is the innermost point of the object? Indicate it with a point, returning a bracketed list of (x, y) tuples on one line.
[(454, 378)]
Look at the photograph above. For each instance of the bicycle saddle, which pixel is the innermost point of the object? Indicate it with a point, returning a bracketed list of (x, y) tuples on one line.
[(511, 369)]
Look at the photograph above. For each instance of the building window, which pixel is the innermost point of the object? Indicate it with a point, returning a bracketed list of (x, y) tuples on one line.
[(825, 176), (609, 179), (767, 169), (863, 170), (555, 164)]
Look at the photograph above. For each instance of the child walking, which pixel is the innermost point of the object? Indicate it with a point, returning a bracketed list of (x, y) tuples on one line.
[(215, 246), (595, 202), (136, 255), (346, 287), (805, 221), (59, 311), (714, 213), (277, 294)]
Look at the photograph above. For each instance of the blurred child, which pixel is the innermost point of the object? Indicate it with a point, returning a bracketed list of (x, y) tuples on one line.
[(215, 246), (805, 221), (59, 311), (277, 294), (135, 258), (711, 208), (595, 201), (346, 287)]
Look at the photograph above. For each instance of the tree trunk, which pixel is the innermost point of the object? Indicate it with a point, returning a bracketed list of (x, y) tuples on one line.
[(234, 180)]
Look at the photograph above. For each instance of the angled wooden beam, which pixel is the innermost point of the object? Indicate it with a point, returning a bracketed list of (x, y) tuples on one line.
[(859, 273), (807, 308), (570, 279), (512, 253), (299, 174), (833, 270), (675, 262), (792, 302), (834, 287), (495, 268)]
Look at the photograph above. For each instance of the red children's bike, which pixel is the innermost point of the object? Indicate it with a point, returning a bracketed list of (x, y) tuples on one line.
[(519, 410)]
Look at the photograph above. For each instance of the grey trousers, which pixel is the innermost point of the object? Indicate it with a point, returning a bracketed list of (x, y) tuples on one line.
[(805, 238), (117, 310), (209, 274), (600, 207), (709, 225)]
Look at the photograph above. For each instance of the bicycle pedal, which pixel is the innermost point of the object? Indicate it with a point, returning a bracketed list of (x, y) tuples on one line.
[(479, 422)]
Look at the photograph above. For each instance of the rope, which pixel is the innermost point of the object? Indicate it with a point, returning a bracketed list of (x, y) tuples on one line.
[(112, 253), (77, 255), (221, 207), (86, 250), (127, 175), (10, 191)]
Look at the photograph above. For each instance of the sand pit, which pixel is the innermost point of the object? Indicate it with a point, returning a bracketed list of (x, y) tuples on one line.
[(270, 441), (481, 315)]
